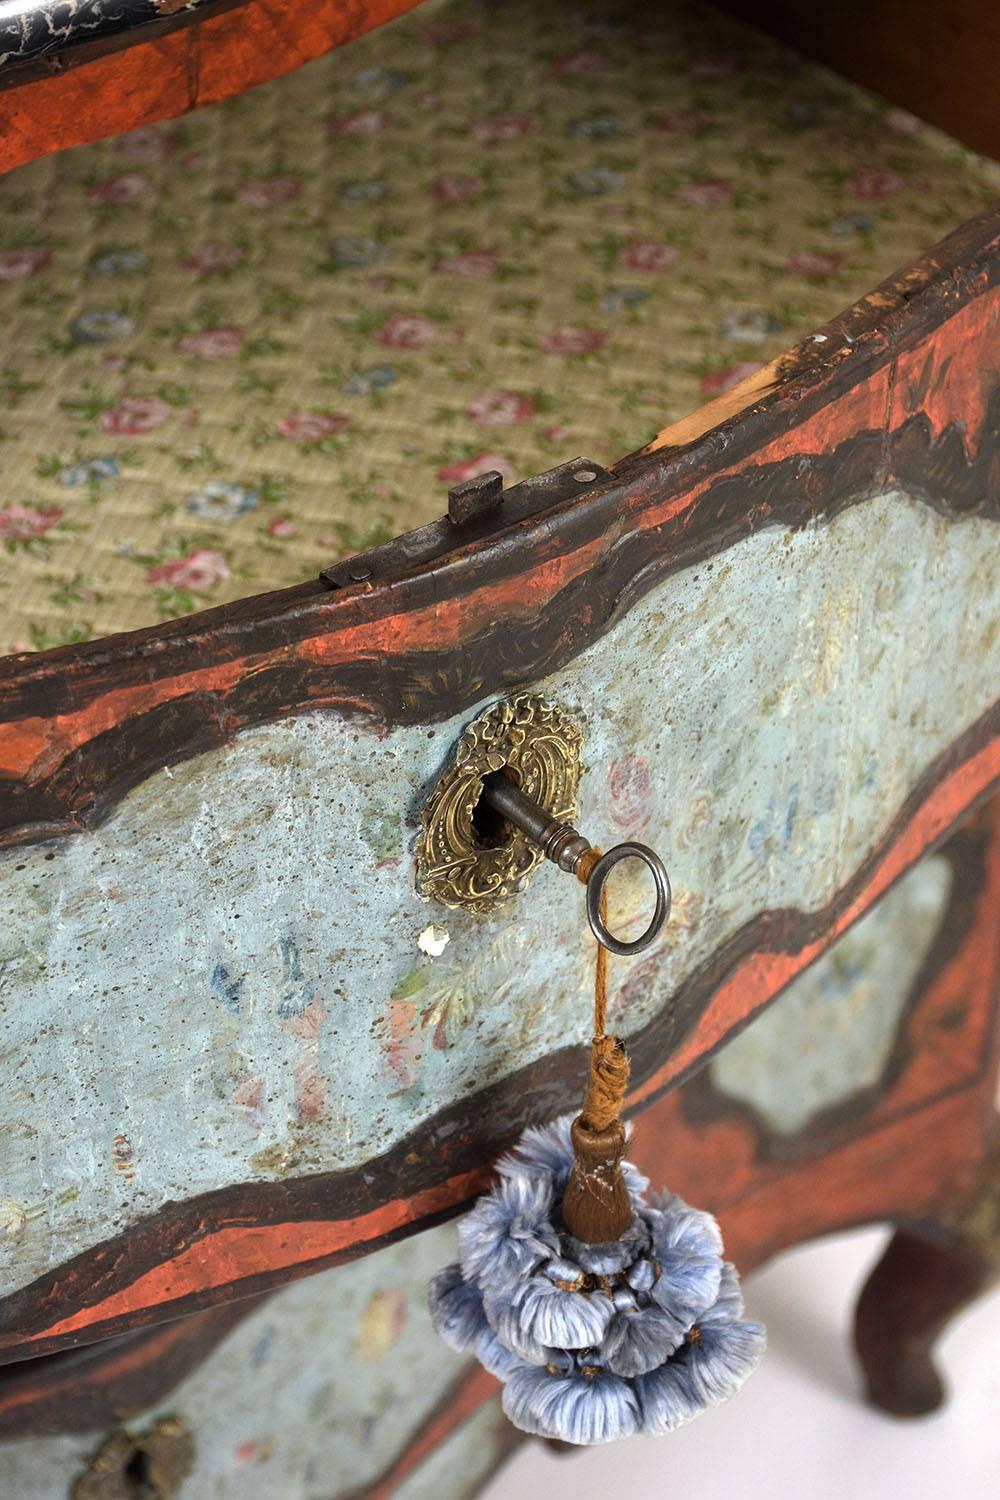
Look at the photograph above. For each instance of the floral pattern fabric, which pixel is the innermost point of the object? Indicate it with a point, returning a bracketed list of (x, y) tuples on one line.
[(239, 346)]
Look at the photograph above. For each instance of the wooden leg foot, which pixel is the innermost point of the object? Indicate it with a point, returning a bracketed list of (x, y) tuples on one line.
[(920, 1283), (907, 1301)]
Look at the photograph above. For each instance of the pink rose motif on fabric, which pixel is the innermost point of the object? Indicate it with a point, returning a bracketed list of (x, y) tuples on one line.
[(147, 144), (456, 187), (123, 189), (198, 573), (364, 122), (281, 526), (19, 523), (874, 185), (712, 192), (504, 127), (579, 65), (573, 341), (806, 263), (718, 381), (471, 468), (136, 415), (213, 343), (212, 256), (15, 265), (500, 409), (269, 192), (477, 265), (679, 122), (407, 331), (650, 255), (631, 788), (310, 426)]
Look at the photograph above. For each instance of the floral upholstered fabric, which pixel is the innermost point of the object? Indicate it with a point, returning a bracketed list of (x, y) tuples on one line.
[(237, 347)]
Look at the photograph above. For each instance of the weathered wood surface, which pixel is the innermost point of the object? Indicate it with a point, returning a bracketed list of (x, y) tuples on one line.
[(378, 1398), (843, 741), (152, 60), (902, 391), (908, 1147), (235, 949)]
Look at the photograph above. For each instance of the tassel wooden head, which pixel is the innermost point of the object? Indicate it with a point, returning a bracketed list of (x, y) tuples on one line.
[(596, 1206)]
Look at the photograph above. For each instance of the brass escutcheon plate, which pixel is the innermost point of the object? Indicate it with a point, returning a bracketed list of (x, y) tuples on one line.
[(154, 1464), (542, 747)]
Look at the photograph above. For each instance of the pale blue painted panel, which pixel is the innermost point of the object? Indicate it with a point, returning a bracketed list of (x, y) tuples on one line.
[(184, 985), (832, 1032)]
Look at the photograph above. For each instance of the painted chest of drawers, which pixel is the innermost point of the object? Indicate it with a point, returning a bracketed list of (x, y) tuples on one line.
[(242, 1092)]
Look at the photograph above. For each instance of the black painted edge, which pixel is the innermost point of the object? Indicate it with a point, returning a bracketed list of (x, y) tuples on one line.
[(419, 687), (460, 1138)]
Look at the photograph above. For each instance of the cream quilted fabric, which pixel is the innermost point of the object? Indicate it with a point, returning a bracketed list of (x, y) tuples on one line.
[(236, 347)]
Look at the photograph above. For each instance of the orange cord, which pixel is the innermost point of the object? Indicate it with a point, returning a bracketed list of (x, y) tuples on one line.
[(609, 1070)]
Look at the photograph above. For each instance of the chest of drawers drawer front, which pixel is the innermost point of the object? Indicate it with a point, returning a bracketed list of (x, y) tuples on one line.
[(232, 1061)]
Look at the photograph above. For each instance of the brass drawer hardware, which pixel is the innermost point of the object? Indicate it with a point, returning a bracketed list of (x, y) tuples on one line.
[(507, 802), (467, 860), (477, 509)]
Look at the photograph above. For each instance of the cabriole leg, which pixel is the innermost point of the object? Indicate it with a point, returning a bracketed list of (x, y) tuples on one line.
[(921, 1282)]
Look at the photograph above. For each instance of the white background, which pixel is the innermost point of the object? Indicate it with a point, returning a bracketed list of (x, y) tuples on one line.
[(799, 1429)]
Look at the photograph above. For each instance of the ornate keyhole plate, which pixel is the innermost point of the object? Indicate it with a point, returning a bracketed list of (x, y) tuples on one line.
[(541, 748), (151, 1467)]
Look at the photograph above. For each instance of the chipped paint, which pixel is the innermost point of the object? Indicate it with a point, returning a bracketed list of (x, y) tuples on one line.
[(763, 792), (353, 1370), (433, 941)]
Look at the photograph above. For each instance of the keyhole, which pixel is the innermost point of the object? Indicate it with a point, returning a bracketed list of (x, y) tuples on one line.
[(490, 828), (138, 1475)]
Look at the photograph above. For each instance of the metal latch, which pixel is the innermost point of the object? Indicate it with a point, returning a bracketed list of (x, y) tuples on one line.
[(476, 508)]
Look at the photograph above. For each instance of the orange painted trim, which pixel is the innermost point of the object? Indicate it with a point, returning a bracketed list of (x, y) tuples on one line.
[(761, 976), (203, 62), (906, 1170), (472, 1390), (952, 382), (723, 1154), (237, 1252), (32, 748)]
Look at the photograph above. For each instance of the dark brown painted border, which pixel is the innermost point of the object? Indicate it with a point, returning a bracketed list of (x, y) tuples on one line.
[(705, 1102), (102, 1384), (414, 1184), (191, 685)]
